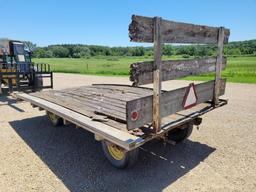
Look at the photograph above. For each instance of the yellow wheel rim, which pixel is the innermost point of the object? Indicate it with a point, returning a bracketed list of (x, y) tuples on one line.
[(116, 152), (52, 117)]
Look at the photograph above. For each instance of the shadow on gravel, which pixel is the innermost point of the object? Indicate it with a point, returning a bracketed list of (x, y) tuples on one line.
[(77, 159), (9, 100)]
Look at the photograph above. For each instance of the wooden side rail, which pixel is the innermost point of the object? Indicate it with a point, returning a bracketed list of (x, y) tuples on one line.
[(141, 73), (171, 102), (142, 30)]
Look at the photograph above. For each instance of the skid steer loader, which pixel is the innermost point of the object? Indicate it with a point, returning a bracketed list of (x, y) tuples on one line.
[(17, 72)]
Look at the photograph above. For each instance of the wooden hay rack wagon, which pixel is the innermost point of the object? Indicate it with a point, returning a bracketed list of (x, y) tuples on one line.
[(125, 117)]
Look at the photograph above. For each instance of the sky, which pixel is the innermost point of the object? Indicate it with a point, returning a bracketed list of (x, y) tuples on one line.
[(106, 22)]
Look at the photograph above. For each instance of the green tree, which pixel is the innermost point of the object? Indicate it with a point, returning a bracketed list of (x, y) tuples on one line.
[(168, 50), (138, 51), (234, 51), (59, 51), (39, 53), (81, 52), (48, 54), (202, 51), (182, 50), (192, 50), (29, 45)]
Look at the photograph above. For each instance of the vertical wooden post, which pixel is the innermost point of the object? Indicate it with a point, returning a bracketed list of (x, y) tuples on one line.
[(218, 66), (157, 74)]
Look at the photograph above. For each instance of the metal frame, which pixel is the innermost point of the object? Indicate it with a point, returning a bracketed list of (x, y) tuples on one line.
[(42, 69)]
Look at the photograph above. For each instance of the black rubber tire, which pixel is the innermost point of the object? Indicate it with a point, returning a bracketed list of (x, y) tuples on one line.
[(58, 121), (130, 158), (180, 134)]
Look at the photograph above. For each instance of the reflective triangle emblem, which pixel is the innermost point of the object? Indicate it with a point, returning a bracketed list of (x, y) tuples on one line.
[(190, 97)]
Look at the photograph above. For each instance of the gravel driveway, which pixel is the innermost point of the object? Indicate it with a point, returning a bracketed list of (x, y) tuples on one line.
[(220, 156)]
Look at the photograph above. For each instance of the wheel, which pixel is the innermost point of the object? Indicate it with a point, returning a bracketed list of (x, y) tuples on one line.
[(55, 120), (119, 157), (180, 134)]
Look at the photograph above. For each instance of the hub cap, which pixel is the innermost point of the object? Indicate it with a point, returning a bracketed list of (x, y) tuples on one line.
[(116, 152)]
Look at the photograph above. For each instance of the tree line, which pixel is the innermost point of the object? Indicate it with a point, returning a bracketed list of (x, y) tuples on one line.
[(87, 51)]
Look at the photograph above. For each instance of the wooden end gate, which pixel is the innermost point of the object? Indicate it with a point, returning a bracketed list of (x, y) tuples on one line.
[(125, 117), (158, 31)]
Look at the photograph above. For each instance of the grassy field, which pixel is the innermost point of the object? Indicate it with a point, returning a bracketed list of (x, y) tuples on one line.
[(239, 69)]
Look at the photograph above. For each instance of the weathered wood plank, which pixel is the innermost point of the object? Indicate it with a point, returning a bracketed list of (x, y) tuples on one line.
[(86, 109), (91, 106), (118, 95), (142, 72), (171, 103), (96, 100), (157, 75), (218, 66), (141, 29), (124, 88), (88, 95)]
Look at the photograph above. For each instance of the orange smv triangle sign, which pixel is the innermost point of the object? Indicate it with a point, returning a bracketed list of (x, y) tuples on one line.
[(190, 98)]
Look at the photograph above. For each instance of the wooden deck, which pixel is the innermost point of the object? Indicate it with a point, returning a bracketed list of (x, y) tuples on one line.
[(106, 103)]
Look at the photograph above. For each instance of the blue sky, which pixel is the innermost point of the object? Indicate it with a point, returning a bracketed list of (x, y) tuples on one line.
[(106, 22)]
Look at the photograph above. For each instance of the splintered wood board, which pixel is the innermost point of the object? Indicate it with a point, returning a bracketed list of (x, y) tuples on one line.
[(141, 29), (142, 72)]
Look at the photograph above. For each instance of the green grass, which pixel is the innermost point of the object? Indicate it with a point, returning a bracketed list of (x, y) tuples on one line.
[(98, 65), (239, 69)]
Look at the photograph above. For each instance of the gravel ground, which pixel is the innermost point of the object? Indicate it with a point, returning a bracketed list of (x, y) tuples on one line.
[(220, 156)]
